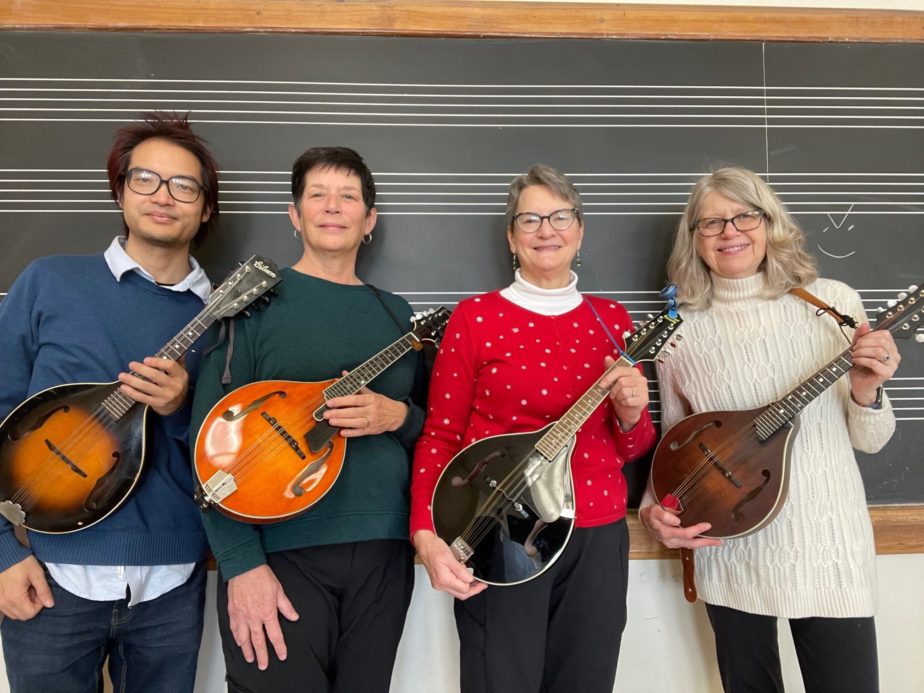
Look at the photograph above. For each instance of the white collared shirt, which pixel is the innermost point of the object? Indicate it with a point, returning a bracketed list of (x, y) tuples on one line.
[(143, 582)]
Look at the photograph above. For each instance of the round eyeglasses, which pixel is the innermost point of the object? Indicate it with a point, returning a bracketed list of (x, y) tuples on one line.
[(713, 226), (560, 220), (181, 188)]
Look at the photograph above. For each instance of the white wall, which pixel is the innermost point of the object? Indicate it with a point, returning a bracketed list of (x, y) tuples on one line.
[(667, 645)]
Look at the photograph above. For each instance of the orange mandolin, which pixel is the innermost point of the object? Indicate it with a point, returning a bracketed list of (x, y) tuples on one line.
[(265, 453), (71, 455), (731, 468)]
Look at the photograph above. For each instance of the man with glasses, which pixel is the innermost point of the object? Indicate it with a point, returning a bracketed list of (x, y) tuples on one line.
[(130, 587)]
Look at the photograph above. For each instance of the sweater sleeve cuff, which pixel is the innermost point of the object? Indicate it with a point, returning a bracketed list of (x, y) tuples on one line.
[(638, 440), (408, 432), (11, 551), (176, 425)]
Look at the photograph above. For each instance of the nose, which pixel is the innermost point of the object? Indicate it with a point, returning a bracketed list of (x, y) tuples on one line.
[(545, 227), (332, 203), (162, 195), (729, 229)]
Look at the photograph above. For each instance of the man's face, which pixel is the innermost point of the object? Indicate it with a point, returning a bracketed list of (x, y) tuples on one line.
[(158, 218)]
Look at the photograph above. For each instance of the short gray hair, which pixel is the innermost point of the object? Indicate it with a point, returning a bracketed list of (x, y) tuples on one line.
[(540, 174)]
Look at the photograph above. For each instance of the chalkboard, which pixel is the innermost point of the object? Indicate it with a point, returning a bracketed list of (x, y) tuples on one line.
[(445, 123)]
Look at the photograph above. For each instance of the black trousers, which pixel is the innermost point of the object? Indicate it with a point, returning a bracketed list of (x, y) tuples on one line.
[(558, 633), (835, 654), (351, 599)]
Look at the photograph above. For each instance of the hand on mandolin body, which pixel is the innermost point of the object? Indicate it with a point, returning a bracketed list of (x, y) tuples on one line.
[(446, 573), (366, 413), (665, 525)]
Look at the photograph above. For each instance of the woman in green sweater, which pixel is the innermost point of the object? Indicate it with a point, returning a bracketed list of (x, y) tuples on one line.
[(340, 574)]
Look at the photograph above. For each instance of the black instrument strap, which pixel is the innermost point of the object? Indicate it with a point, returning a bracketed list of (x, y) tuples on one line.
[(378, 295)]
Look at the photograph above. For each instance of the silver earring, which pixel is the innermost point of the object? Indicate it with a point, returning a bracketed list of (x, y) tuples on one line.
[(578, 260), (515, 262), (367, 238), (295, 234)]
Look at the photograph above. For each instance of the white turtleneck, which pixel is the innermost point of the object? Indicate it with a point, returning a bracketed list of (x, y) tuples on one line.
[(543, 301), (817, 557)]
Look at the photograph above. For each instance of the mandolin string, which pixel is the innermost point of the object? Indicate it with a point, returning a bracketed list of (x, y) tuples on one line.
[(698, 472), (249, 459), (270, 442), (485, 517), (27, 494), (701, 469), (892, 325)]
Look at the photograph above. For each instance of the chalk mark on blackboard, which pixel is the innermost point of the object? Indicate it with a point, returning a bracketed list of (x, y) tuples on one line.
[(837, 227)]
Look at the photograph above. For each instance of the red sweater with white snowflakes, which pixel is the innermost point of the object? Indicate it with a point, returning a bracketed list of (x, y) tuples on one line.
[(504, 369)]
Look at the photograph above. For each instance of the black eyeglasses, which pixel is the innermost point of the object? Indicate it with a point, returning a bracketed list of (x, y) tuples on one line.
[(713, 226), (181, 188), (560, 220)]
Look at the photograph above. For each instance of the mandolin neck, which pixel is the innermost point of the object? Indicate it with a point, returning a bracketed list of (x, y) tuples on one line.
[(363, 374), (117, 404), (567, 426)]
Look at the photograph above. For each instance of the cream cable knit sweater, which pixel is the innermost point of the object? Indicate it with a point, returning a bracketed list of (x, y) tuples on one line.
[(817, 558)]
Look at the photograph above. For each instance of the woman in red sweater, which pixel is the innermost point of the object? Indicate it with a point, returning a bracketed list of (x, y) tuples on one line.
[(514, 361)]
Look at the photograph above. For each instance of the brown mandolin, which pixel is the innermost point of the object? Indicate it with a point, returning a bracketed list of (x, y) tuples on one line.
[(71, 455), (265, 453), (731, 468)]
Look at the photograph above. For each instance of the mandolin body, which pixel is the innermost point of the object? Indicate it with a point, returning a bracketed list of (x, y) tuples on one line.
[(280, 458), (713, 467), (65, 462), (513, 507)]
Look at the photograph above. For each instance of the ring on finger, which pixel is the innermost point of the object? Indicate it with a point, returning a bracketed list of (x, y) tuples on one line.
[(885, 357)]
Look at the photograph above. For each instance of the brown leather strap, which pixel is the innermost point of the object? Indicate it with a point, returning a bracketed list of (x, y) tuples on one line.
[(689, 569), (830, 310)]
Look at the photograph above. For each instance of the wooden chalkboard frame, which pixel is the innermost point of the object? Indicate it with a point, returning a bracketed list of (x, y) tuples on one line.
[(471, 18), (899, 529)]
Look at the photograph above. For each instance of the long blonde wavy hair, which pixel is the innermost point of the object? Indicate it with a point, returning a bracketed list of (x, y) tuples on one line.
[(786, 265)]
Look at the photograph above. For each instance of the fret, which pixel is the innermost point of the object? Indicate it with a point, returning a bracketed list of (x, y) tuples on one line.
[(558, 436), (369, 370)]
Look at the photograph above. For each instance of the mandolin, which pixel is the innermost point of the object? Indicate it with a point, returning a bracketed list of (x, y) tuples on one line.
[(731, 468), (71, 455), (265, 453), (505, 504)]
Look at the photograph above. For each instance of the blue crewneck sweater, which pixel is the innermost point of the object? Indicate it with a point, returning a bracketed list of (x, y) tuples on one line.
[(67, 319)]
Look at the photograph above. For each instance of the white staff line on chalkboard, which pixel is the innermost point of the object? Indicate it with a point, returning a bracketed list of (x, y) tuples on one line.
[(483, 125), (134, 80), (639, 174), (549, 105), (217, 111)]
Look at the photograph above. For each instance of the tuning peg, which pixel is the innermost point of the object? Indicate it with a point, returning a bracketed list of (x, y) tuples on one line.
[(902, 296), (246, 313), (880, 309), (650, 316), (919, 338), (891, 303), (912, 288)]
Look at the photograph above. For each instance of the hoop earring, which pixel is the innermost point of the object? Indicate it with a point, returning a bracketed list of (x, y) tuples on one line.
[(367, 238), (577, 262), (295, 234), (515, 263)]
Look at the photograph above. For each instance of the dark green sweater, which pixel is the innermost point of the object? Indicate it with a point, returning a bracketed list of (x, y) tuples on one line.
[(313, 331)]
